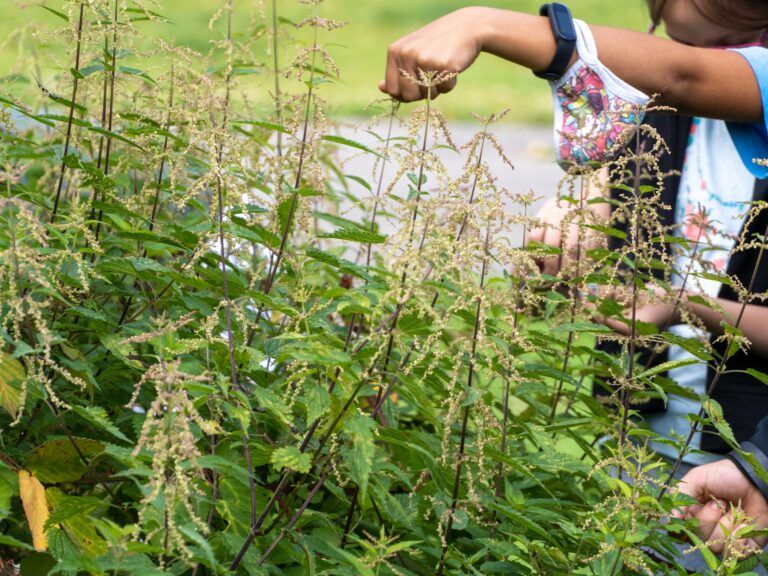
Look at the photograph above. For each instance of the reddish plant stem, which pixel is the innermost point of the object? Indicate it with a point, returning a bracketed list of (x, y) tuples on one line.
[(507, 385), (278, 93), (68, 136), (255, 530), (110, 118), (465, 418), (223, 258), (257, 522), (393, 322), (625, 392), (103, 124), (158, 188), (274, 262), (374, 413), (299, 173), (295, 518), (574, 302), (369, 251)]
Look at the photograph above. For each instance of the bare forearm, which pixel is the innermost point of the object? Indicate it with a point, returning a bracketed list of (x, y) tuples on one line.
[(752, 324), (700, 81)]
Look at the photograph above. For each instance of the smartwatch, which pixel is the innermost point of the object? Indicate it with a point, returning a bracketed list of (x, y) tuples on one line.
[(565, 35)]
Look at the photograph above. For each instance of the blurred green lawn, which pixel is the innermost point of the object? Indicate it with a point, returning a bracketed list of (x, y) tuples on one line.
[(491, 85)]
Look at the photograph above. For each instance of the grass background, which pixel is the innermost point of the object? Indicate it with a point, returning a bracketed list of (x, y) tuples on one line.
[(491, 85)]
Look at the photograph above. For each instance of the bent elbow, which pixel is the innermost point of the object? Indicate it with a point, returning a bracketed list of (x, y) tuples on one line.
[(679, 88)]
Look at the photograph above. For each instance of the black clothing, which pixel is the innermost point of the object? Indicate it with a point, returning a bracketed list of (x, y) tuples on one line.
[(758, 447), (744, 399)]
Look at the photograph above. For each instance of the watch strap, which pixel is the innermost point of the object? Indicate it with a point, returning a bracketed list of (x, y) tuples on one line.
[(564, 50)]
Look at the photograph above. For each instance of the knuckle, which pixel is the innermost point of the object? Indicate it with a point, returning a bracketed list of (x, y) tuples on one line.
[(411, 53)]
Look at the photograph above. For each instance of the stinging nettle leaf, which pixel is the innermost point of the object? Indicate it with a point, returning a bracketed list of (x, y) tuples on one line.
[(351, 143), (761, 376), (97, 416), (12, 374), (58, 460), (32, 494), (356, 235), (360, 429), (291, 457), (54, 12)]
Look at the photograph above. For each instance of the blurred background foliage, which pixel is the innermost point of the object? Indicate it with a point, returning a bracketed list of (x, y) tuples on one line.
[(491, 85)]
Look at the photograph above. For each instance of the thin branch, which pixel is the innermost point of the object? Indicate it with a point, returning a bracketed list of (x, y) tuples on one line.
[(70, 119), (465, 419)]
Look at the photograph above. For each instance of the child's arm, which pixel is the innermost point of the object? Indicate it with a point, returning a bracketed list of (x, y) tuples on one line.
[(698, 81), (664, 314), (752, 325)]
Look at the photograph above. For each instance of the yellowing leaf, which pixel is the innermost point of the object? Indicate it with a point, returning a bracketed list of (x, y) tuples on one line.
[(35, 505), (293, 458), (58, 461), (11, 376)]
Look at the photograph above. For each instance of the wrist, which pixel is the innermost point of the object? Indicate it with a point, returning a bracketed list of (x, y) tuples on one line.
[(483, 23)]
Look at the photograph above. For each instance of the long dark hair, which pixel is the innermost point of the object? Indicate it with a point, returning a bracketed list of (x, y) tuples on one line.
[(735, 14)]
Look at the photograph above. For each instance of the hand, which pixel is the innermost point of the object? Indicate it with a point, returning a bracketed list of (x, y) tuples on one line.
[(654, 306), (449, 44), (555, 215), (719, 487)]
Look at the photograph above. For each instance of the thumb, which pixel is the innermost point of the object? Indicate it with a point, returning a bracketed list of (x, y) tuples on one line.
[(383, 86)]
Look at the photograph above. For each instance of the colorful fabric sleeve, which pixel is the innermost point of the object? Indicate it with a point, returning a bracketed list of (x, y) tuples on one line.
[(595, 111)]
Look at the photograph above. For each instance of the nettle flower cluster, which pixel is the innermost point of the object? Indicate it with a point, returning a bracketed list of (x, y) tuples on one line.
[(247, 360)]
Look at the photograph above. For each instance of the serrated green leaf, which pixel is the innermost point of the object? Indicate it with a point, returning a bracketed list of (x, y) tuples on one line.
[(761, 376), (351, 143), (58, 461), (12, 375), (136, 72), (54, 12), (586, 327), (356, 234), (716, 417), (341, 263), (97, 416), (291, 457), (271, 403), (66, 507), (317, 401), (359, 454), (88, 126), (667, 366)]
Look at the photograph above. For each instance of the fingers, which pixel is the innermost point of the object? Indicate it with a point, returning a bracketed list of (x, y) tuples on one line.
[(403, 82), (447, 45), (615, 325), (721, 488), (400, 65), (712, 518), (393, 75), (551, 264), (721, 538)]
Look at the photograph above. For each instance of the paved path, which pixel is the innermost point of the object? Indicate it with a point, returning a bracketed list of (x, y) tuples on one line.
[(529, 148)]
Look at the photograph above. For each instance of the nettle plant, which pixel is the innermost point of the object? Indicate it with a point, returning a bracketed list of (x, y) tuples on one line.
[(209, 365)]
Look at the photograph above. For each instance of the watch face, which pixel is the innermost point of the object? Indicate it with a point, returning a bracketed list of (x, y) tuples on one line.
[(563, 22)]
